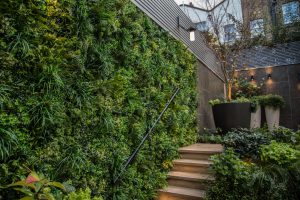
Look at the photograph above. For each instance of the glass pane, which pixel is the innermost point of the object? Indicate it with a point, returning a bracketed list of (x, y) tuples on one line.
[(230, 32), (290, 12), (202, 26), (257, 27)]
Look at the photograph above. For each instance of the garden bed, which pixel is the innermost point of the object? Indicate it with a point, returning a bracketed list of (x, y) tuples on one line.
[(256, 165)]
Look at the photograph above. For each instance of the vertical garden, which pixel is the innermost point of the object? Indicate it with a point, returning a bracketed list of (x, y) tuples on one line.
[(81, 81)]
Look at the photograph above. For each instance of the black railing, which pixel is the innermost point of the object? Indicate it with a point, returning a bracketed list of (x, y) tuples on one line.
[(133, 155)]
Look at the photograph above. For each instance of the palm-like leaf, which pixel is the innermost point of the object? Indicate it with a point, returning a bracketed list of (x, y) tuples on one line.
[(8, 140)]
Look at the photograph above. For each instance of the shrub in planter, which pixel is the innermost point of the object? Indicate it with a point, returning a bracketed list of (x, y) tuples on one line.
[(233, 114), (246, 142), (272, 104), (275, 101)]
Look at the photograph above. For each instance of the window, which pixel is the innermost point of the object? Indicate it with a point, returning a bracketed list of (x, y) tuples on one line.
[(202, 26), (257, 27), (230, 32), (290, 12)]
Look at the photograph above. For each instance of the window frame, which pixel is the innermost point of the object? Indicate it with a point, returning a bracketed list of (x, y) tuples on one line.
[(261, 27), (202, 28), (231, 35), (290, 19)]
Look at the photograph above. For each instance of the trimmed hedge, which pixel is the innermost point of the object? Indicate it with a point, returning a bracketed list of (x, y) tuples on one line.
[(80, 83)]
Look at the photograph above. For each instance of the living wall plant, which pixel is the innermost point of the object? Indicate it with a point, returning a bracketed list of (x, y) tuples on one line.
[(80, 84)]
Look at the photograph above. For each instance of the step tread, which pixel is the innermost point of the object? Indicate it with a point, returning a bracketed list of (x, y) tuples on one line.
[(193, 162), (202, 148), (184, 191), (190, 176)]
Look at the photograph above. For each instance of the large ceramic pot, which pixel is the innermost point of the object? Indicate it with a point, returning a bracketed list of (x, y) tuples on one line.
[(232, 115), (272, 117), (256, 118)]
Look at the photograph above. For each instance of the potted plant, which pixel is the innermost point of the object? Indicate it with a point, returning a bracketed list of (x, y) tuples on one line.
[(272, 104), (232, 114)]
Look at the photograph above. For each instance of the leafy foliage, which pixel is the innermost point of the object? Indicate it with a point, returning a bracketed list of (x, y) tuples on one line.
[(271, 100), (82, 195), (36, 187), (257, 171), (211, 136), (246, 142), (80, 84), (244, 88), (286, 135), (279, 153), (231, 175)]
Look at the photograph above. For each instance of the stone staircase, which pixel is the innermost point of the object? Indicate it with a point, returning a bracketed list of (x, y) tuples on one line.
[(190, 176)]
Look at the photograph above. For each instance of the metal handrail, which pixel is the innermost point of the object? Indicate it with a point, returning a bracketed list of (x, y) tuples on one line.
[(132, 156)]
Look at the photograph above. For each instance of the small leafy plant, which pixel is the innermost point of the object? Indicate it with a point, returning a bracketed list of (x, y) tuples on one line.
[(246, 142), (231, 175), (244, 88), (286, 135), (271, 100), (279, 153), (211, 136), (216, 101), (238, 100), (36, 187), (82, 195)]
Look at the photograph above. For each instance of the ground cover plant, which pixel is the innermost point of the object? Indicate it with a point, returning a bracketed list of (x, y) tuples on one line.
[(257, 165), (80, 83)]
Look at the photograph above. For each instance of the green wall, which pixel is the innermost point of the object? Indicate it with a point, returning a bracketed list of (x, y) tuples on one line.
[(80, 83)]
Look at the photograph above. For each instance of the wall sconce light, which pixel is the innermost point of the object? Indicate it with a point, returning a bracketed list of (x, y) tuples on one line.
[(252, 78), (298, 76), (269, 76), (191, 29)]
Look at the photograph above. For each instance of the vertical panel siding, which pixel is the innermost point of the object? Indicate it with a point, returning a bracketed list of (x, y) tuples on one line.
[(165, 13)]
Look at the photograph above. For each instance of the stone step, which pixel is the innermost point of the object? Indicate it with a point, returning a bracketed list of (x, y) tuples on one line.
[(189, 180), (190, 176), (200, 151), (190, 165), (181, 193)]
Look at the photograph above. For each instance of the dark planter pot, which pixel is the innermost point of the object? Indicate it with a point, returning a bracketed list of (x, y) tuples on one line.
[(232, 115)]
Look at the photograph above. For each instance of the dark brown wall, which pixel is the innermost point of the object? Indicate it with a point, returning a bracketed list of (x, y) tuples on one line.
[(209, 87), (284, 82)]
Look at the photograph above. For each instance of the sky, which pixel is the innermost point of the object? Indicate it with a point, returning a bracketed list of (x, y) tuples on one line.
[(199, 3)]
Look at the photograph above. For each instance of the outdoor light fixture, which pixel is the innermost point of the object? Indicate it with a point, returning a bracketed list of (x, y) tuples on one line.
[(298, 76), (191, 29), (252, 78), (269, 76)]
